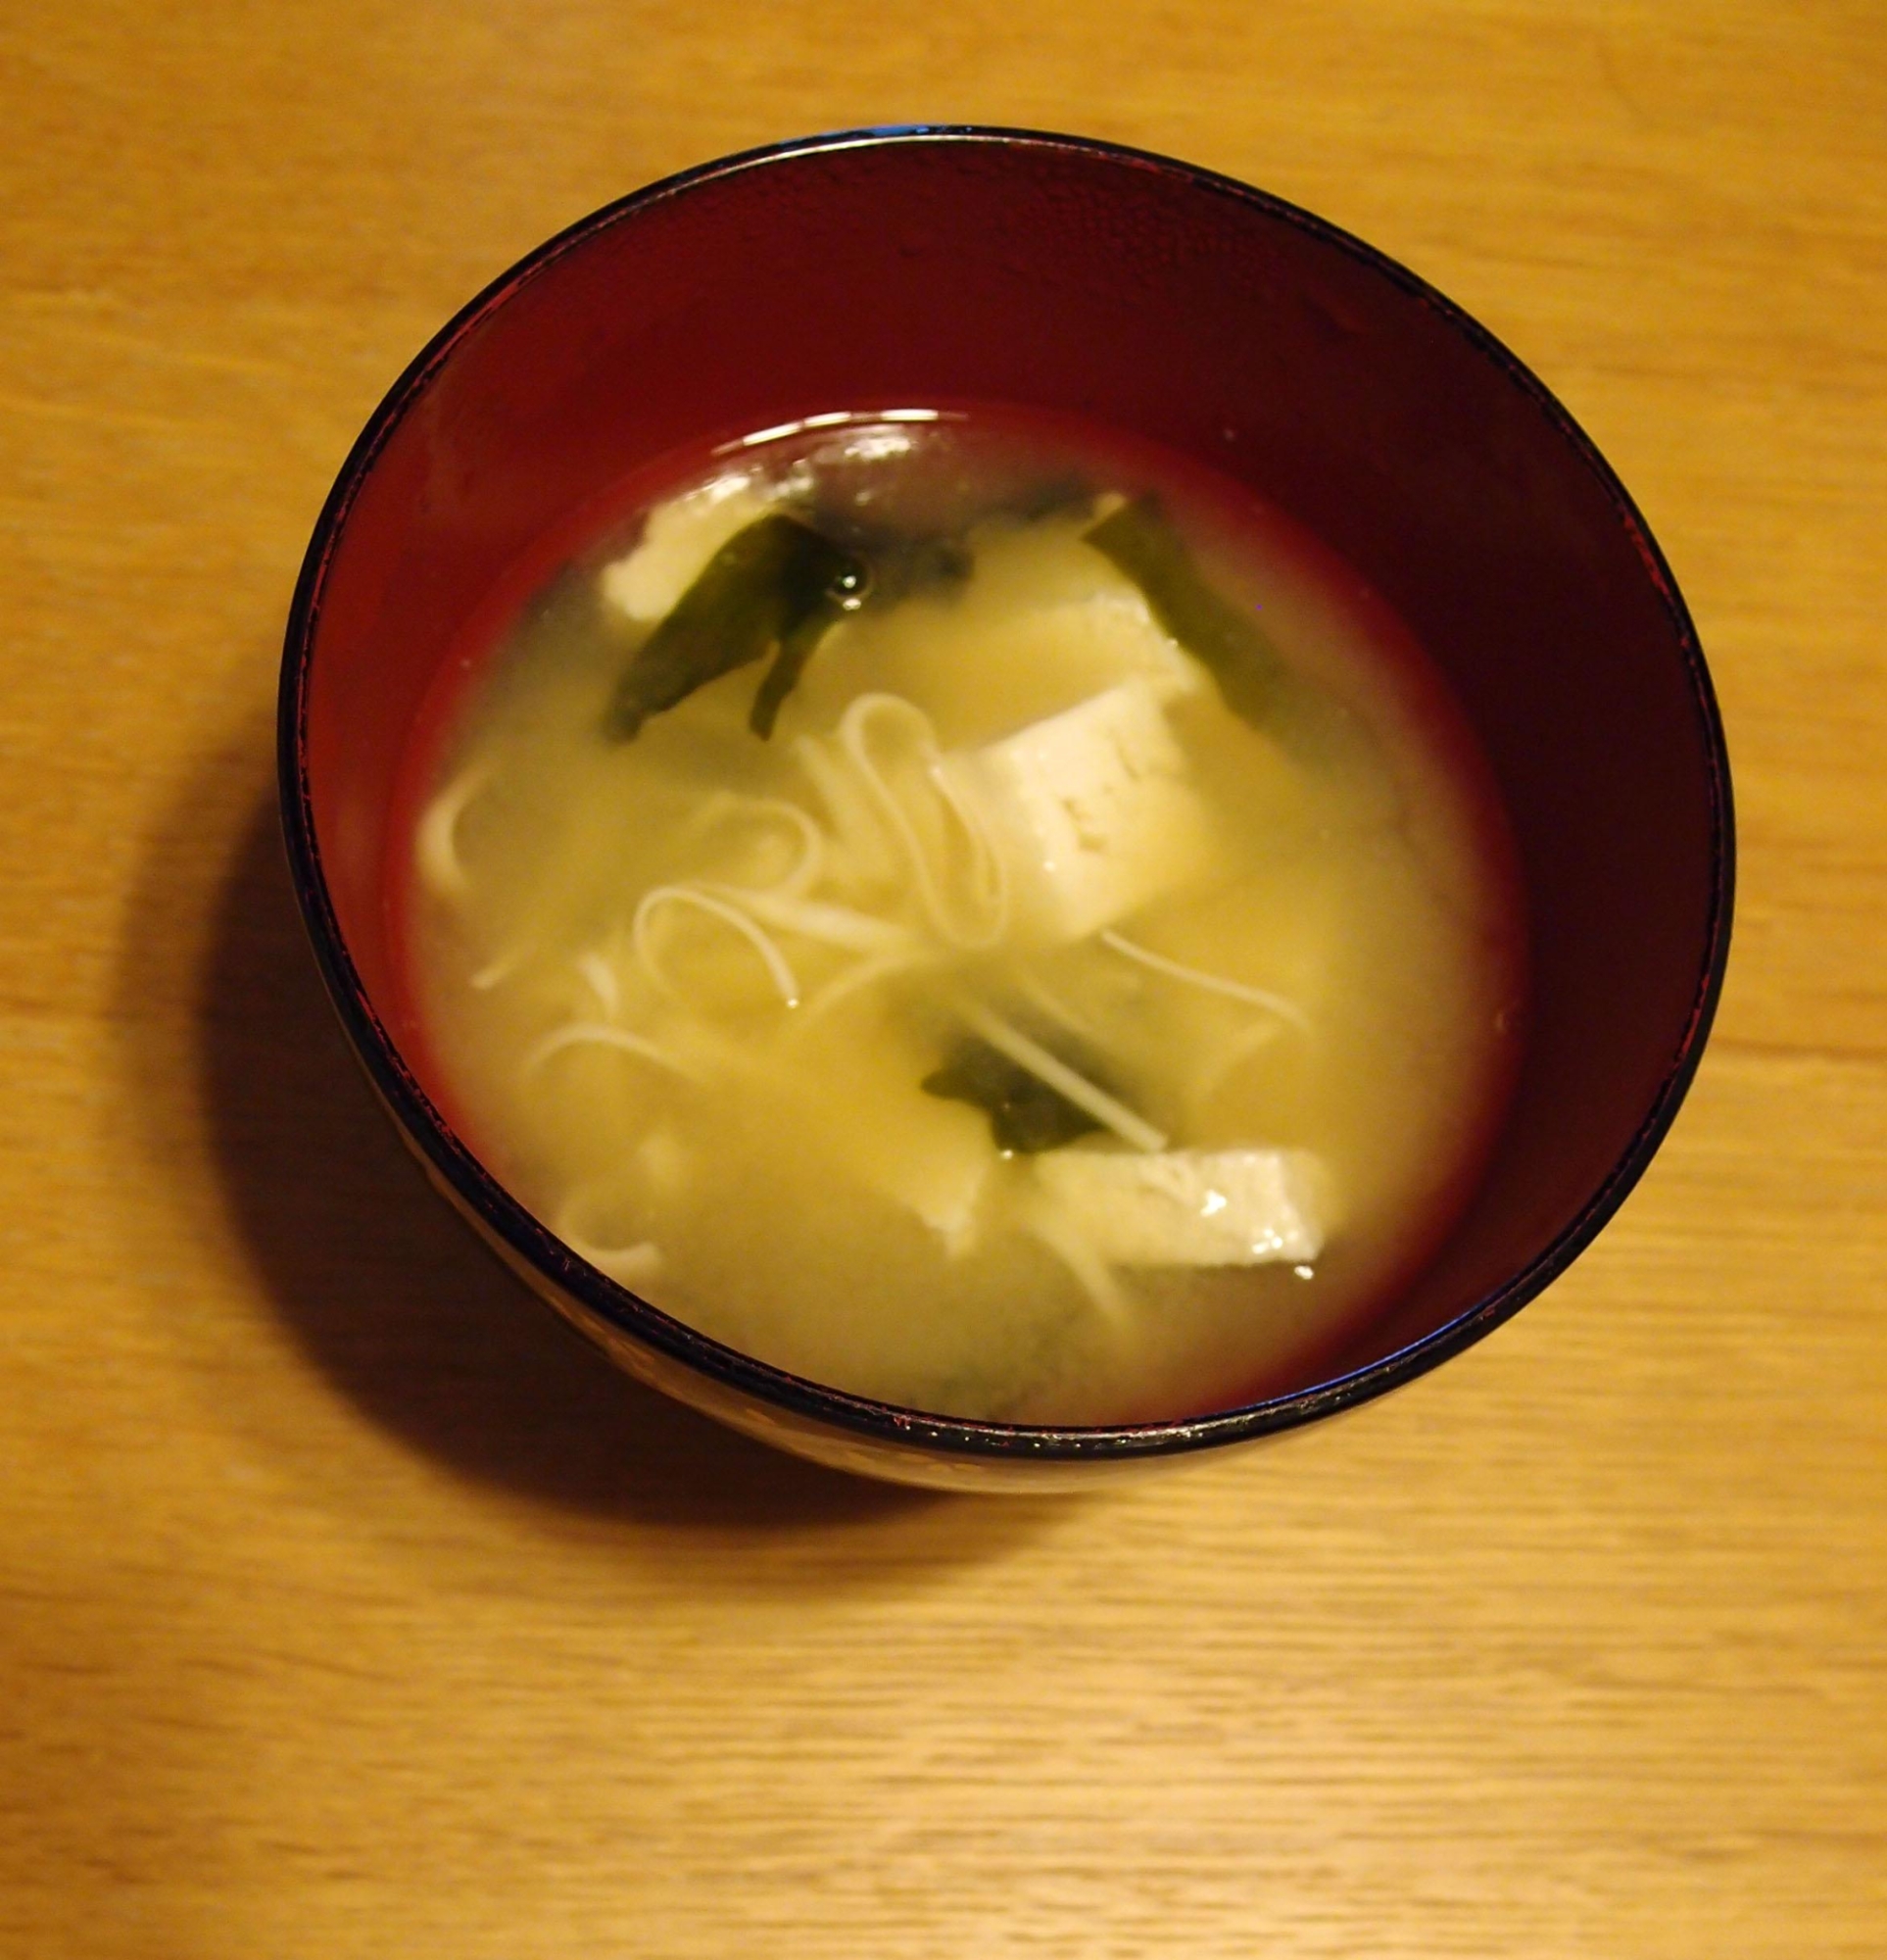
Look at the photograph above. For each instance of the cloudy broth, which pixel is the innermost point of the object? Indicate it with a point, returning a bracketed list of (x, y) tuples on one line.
[(969, 909)]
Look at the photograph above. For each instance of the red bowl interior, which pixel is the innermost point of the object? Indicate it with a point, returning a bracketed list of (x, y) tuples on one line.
[(908, 267)]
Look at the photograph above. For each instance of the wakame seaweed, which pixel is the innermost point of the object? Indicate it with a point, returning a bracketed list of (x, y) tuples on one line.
[(1025, 1113), (844, 594), (796, 648), (1252, 675), (777, 583)]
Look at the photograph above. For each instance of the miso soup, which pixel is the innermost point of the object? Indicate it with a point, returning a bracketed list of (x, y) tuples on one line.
[(968, 909)]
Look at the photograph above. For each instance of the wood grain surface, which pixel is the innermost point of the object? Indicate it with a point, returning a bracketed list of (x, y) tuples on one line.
[(346, 1608)]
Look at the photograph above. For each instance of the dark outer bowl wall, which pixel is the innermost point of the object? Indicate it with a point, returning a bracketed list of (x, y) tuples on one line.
[(905, 268)]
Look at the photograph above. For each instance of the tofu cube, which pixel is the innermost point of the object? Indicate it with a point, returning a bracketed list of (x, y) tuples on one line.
[(1241, 1207), (1092, 810), (1107, 637), (678, 540)]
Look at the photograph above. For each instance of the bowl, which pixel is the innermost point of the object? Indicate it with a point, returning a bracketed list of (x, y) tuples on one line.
[(1055, 272)]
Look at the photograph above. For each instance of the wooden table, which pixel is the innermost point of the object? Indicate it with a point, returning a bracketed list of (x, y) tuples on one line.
[(348, 1609)]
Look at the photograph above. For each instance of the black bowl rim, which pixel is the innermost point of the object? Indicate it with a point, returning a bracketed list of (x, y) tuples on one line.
[(832, 1408)]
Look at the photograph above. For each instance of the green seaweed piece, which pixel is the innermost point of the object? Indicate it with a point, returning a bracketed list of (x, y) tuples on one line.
[(905, 567), (788, 663), (1254, 678), (845, 594), (775, 584), (1025, 1113)]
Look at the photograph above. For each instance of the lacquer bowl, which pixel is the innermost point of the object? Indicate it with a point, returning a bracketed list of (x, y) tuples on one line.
[(917, 263)]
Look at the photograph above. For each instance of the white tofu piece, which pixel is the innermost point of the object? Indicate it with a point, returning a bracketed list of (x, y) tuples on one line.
[(947, 1199), (1111, 635), (933, 1157), (678, 540), (1092, 811), (939, 1174), (1241, 1207)]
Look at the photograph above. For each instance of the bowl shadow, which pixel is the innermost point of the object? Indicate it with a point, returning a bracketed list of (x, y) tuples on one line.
[(398, 1305)]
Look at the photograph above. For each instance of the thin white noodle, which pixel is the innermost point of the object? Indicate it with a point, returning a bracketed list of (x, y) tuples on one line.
[(1243, 1045), (1095, 1275), (860, 974), (598, 1034), (1211, 983), (436, 841), (775, 961), (1056, 1009), (631, 1266), (854, 824), (989, 878), (708, 812), (807, 873), (830, 925), (601, 977), (1045, 1067), (501, 968), (800, 877), (628, 1265), (851, 737), (988, 865)]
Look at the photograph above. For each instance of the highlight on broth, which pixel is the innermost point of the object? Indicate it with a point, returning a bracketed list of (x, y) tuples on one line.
[(972, 912)]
